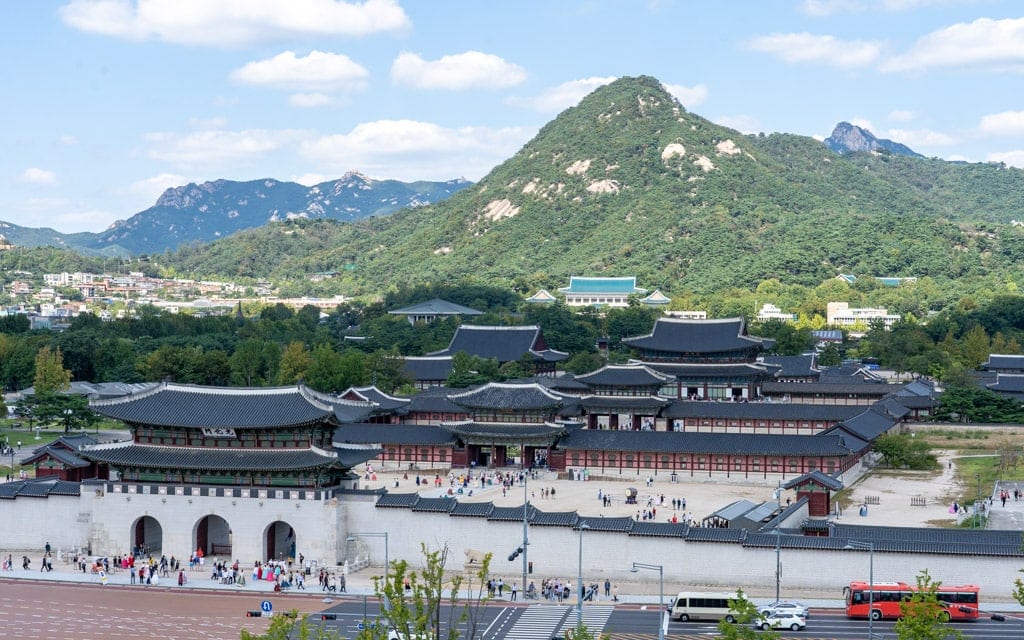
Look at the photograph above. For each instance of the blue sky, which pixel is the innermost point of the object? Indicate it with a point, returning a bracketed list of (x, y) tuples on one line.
[(109, 102)]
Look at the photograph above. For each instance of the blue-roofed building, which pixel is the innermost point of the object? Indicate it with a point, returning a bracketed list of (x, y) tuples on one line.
[(600, 292)]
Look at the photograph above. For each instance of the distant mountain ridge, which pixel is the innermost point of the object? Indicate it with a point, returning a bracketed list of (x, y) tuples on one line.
[(628, 182), (849, 138), (212, 210)]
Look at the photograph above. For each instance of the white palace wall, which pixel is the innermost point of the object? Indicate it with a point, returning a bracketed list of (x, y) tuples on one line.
[(104, 520)]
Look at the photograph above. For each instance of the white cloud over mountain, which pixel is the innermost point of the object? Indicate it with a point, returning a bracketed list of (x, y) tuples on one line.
[(317, 71), (825, 49), (984, 44), (457, 72)]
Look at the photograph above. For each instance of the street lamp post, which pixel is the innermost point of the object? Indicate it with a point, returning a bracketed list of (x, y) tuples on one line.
[(67, 420), (353, 536), (870, 547), (526, 510), (579, 588), (778, 541), (661, 592)]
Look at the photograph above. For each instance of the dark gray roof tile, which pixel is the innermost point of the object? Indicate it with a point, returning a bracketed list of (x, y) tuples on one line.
[(473, 509), (398, 500), (207, 459), (677, 335)]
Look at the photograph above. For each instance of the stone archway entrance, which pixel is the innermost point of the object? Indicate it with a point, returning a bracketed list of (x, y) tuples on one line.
[(147, 537), (212, 535), (279, 541)]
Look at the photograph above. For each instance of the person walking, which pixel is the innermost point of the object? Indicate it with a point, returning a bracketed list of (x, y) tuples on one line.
[(515, 589)]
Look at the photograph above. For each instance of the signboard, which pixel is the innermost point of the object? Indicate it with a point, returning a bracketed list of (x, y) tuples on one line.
[(266, 606), (218, 432)]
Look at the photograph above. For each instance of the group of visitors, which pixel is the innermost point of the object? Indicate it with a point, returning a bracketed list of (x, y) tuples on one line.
[(332, 582)]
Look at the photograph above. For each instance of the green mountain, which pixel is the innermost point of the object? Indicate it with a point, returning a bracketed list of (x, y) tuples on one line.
[(630, 183)]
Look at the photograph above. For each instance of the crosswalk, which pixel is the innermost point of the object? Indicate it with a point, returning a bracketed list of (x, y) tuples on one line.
[(543, 622), (594, 618), (538, 622)]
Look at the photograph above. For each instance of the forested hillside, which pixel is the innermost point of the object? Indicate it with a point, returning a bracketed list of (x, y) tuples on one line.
[(630, 183)]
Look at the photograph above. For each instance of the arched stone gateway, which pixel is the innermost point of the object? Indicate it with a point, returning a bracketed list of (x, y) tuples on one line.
[(279, 541), (147, 536), (212, 535)]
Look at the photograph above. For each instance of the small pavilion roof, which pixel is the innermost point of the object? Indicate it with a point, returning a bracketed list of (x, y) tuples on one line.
[(503, 343), (427, 367), (383, 402), (182, 405), (628, 375), (680, 335), (816, 476), (436, 307), (65, 456), (504, 396)]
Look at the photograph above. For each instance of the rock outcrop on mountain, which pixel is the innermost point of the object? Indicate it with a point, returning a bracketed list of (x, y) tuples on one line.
[(849, 138)]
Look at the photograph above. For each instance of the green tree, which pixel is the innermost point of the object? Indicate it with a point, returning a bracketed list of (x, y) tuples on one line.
[(50, 376), (744, 613), (291, 626), (295, 361), (923, 617), (411, 599)]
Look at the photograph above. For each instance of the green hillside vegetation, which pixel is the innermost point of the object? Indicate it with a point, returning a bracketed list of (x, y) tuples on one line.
[(596, 193)]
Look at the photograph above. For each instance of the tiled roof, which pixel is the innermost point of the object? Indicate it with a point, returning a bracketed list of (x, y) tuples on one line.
[(63, 455), (566, 383), (209, 459), (473, 509), (504, 343), (384, 434), (436, 307), (1004, 361), (817, 476), (584, 284), (427, 368), (383, 401), (554, 518), (623, 524), (802, 366), (180, 405), (348, 411), (761, 410), (435, 505), (701, 370), (815, 524), (1008, 382), (507, 397), (505, 430), (698, 336), (711, 443), (617, 375), (398, 500), (595, 404), (848, 387), (434, 400), (660, 529), (70, 442), (869, 424), (349, 457), (715, 534), (39, 488), (509, 513)]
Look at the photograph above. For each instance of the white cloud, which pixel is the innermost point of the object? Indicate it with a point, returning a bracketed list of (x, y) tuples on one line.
[(207, 123), (902, 115), (318, 71), (34, 175), (742, 123), (689, 97), (310, 179), (152, 188), (829, 7), (67, 140), (312, 100), (219, 148), (411, 150), (1012, 158), (226, 23), (1007, 123), (808, 47), (914, 138), (986, 44), (863, 123), (456, 72), (563, 96)]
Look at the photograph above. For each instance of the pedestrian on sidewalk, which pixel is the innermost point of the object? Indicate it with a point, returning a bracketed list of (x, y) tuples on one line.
[(515, 589), (615, 593)]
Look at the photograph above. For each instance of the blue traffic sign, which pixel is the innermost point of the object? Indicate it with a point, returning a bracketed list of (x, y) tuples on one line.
[(360, 626), (266, 606)]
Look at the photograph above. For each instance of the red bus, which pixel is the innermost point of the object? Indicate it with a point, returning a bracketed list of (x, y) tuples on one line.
[(959, 603)]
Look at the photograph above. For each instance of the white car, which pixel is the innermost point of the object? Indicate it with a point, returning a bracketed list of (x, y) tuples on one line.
[(783, 607), (780, 621)]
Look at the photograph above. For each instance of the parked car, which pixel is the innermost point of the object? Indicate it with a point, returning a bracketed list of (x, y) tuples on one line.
[(783, 607), (780, 621)]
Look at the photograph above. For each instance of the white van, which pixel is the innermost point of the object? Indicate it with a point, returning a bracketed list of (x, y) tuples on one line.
[(700, 605)]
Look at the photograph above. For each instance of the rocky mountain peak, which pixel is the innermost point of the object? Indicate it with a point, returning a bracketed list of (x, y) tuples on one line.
[(849, 138)]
